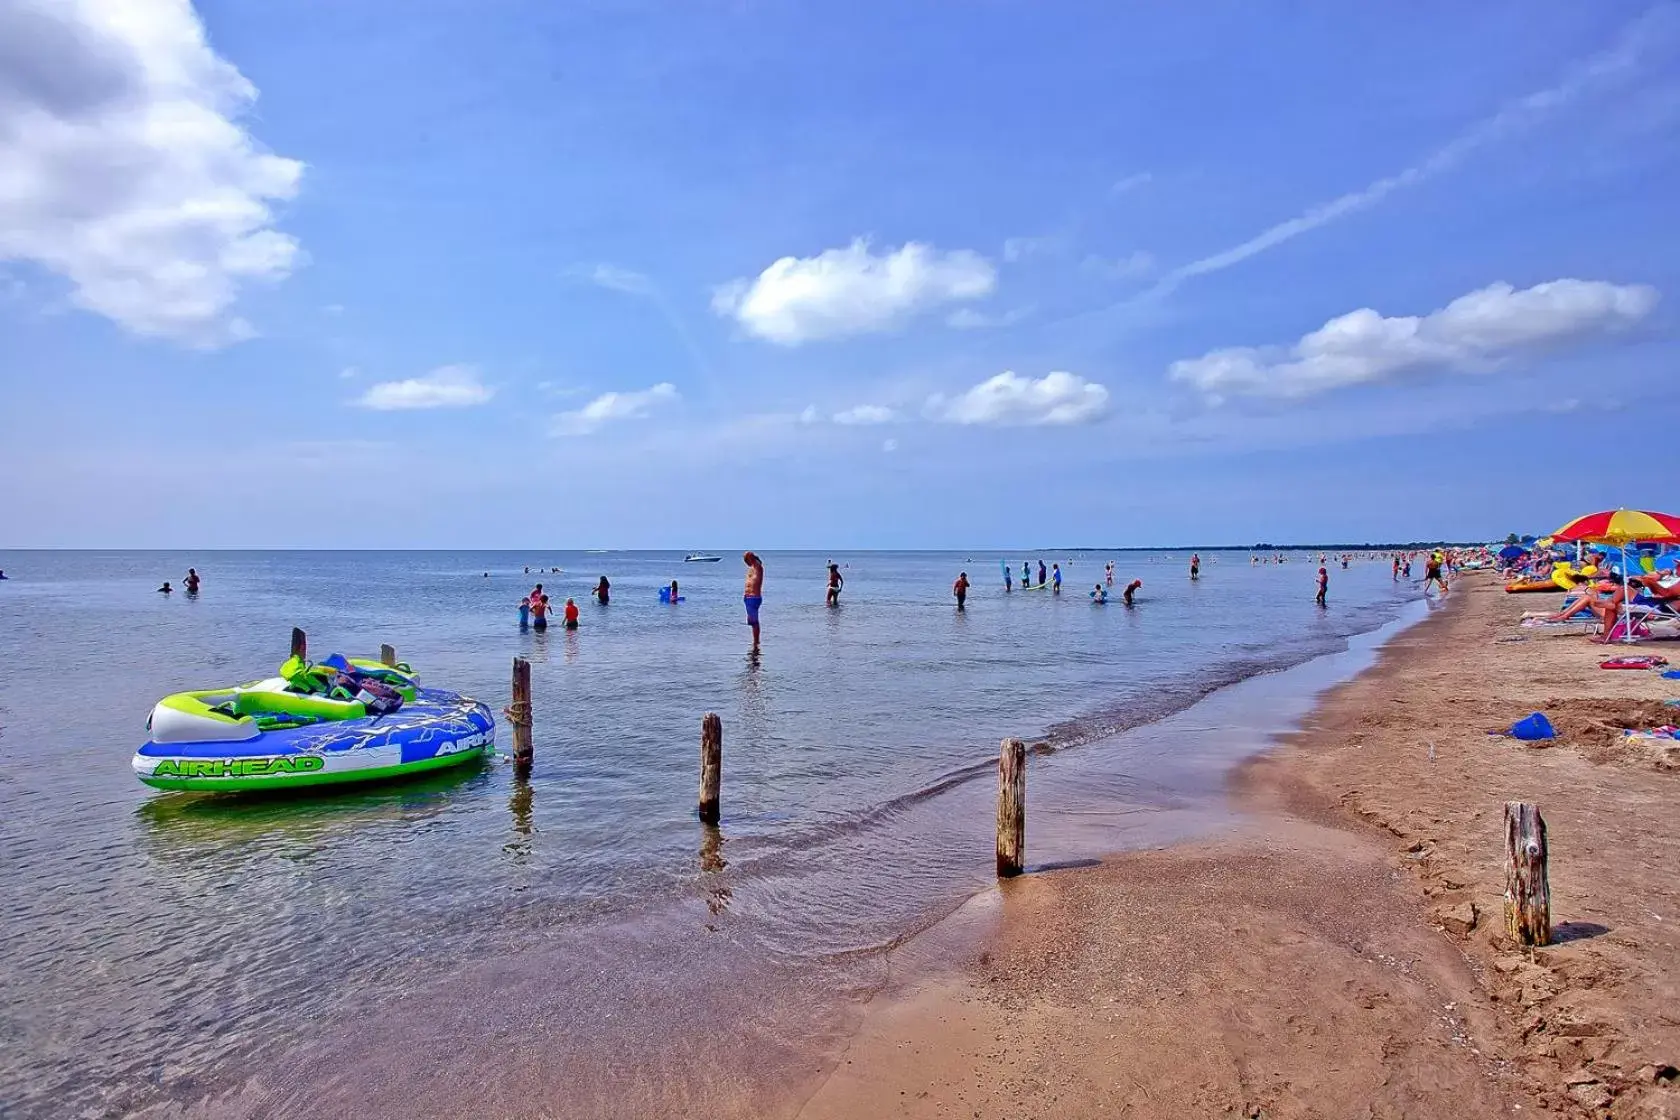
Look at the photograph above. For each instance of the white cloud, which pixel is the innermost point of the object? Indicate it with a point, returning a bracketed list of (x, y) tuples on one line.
[(1473, 333), (968, 319), (1131, 183), (348, 372), (1020, 248), (889, 446), (333, 309), (616, 279), (1009, 399), (611, 407), (444, 387), (810, 415), (123, 167), (866, 414), (1518, 115), (851, 291), (1129, 267)]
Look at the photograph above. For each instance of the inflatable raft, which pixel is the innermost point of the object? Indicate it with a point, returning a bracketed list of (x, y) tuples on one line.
[(344, 720)]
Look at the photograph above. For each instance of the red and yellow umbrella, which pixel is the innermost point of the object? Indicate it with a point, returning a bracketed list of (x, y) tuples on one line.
[(1621, 526)]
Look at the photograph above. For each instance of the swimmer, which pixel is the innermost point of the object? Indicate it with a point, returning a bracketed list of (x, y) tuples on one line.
[(603, 591), (1026, 574), (166, 589), (1195, 566), (1323, 585), (1099, 594), (191, 581), (752, 593), (536, 594), (525, 613), (1131, 589), (539, 612), (1008, 580), (960, 589), (1056, 579), (1108, 574), (1043, 577), (571, 615), (835, 582), (674, 596)]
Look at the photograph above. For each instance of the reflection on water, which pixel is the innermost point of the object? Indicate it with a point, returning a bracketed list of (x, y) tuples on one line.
[(519, 807), (193, 825)]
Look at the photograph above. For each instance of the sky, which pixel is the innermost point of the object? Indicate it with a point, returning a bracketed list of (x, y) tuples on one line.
[(728, 273)]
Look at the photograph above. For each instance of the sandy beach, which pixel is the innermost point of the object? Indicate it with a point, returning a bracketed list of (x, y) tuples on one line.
[(1340, 953)]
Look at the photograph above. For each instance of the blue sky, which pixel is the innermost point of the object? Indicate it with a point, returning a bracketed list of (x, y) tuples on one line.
[(708, 274)]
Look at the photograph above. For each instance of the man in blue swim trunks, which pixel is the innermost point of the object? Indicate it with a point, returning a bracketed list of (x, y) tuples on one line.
[(753, 596)]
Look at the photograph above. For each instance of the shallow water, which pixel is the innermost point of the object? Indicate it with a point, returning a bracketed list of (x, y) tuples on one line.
[(159, 943)]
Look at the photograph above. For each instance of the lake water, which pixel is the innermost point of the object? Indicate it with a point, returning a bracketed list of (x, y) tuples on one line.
[(161, 948)]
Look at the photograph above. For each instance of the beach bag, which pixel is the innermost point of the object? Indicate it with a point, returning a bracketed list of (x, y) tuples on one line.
[(1532, 728)]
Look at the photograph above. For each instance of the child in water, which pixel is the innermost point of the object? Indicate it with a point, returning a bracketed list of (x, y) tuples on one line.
[(1323, 585), (571, 615), (1099, 594), (539, 612), (960, 589), (525, 613)]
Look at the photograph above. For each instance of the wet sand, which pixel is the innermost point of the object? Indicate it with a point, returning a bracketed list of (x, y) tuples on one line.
[(1340, 951)]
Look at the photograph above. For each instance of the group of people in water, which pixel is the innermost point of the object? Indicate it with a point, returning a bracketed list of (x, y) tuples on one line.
[(189, 584)]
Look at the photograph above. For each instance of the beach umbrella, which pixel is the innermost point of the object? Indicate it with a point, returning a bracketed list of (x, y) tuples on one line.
[(1512, 551), (1622, 527)]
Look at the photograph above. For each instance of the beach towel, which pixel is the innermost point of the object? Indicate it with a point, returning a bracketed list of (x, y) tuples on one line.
[(1637, 662)]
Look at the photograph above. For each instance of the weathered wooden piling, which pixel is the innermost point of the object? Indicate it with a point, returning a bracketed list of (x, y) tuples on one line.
[(300, 644), (388, 656), (518, 715), (1528, 895), (1011, 808), (711, 766)]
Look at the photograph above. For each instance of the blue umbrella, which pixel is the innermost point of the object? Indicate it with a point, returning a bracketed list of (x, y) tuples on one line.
[(1512, 551)]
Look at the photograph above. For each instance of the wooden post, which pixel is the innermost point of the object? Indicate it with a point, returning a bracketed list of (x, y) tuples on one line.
[(1528, 896), (300, 644), (388, 656), (519, 715), (1011, 808), (711, 766)]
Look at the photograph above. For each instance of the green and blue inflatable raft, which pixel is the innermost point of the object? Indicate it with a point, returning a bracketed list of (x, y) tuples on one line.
[(343, 720)]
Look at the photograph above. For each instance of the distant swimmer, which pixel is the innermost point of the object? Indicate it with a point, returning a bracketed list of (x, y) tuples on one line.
[(1131, 589), (191, 581), (166, 589), (1026, 574), (752, 594), (1397, 569), (960, 589), (1108, 573), (1323, 585), (1055, 579), (1043, 576), (539, 612), (603, 592), (1195, 566), (836, 581), (1008, 580), (525, 613), (671, 595), (571, 615)]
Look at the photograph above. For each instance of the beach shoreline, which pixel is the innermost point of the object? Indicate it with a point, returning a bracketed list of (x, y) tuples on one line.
[(1339, 951)]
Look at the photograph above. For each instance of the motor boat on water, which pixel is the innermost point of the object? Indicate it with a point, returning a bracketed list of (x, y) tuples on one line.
[(701, 558)]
